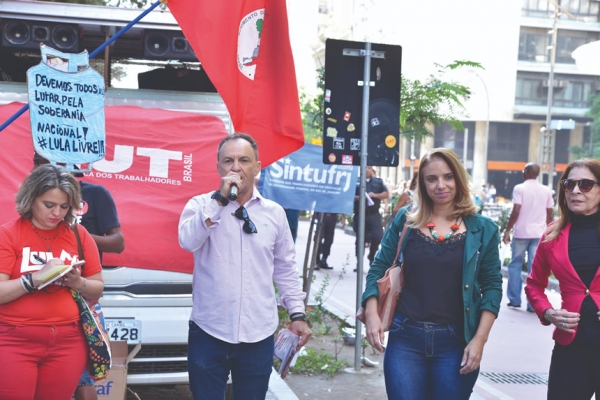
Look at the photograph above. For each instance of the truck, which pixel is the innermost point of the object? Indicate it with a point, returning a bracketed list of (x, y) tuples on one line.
[(146, 299)]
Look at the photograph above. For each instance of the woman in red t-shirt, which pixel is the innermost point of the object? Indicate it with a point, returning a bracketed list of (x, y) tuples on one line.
[(42, 346)]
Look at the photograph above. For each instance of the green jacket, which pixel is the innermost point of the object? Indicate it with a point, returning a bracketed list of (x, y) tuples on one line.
[(482, 279)]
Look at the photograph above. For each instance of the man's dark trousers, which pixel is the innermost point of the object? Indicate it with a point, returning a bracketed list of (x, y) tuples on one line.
[(373, 233)]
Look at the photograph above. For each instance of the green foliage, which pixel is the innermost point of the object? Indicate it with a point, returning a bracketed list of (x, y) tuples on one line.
[(318, 363), (422, 104), (432, 102), (312, 110)]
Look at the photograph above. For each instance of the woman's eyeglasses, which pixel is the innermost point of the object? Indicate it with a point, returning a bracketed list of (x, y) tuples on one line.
[(585, 185), (242, 213)]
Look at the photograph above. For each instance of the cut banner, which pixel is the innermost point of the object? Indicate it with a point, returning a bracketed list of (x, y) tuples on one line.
[(258, 87), (156, 160), (301, 181)]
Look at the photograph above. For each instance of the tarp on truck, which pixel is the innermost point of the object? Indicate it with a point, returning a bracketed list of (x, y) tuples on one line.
[(156, 160)]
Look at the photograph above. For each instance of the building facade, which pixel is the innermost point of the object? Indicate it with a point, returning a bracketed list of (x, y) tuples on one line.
[(506, 114)]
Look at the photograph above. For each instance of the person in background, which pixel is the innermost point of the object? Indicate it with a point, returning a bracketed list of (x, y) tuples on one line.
[(42, 345), (377, 192), (327, 232), (407, 197), (570, 249), (452, 287), (98, 215), (531, 213), (240, 248)]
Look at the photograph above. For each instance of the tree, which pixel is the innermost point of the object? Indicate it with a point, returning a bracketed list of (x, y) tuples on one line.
[(593, 150), (422, 104)]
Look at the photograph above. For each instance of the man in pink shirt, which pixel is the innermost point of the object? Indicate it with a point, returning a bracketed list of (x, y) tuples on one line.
[(531, 213), (240, 247)]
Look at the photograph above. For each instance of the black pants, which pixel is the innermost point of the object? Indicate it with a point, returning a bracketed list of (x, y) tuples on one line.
[(574, 372), (327, 232), (373, 233)]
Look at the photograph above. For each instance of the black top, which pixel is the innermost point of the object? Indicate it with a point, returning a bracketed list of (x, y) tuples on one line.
[(98, 212), (432, 289), (584, 254), (374, 185)]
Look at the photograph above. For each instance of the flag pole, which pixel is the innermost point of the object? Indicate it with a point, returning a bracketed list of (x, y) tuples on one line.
[(92, 55)]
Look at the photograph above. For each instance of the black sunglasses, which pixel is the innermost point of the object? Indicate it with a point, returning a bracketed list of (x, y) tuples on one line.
[(242, 213), (585, 185)]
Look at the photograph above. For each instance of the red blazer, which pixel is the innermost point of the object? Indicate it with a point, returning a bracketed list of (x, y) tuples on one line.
[(553, 257)]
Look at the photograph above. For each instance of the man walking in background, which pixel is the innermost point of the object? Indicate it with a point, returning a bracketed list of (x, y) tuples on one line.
[(531, 213), (376, 191)]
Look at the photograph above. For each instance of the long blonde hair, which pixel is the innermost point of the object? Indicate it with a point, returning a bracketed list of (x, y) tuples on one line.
[(563, 210), (463, 204)]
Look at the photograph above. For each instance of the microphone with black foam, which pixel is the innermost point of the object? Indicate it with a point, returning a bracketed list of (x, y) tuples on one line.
[(233, 193)]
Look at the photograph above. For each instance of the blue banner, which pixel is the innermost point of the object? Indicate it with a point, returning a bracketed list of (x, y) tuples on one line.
[(301, 181)]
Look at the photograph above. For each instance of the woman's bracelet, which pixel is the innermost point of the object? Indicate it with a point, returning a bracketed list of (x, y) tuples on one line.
[(83, 287), (27, 283)]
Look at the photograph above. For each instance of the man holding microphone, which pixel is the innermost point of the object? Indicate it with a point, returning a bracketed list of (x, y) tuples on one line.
[(240, 247)]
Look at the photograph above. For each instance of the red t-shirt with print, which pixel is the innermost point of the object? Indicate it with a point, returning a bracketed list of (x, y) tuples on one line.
[(52, 305)]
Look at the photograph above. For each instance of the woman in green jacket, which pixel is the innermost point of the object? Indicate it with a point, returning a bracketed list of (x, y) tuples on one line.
[(452, 287)]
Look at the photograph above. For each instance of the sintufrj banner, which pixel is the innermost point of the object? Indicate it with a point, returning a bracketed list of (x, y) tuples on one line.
[(301, 181)]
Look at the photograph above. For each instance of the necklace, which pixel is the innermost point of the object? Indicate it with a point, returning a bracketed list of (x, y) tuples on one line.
[(447, 236), (47, 241)]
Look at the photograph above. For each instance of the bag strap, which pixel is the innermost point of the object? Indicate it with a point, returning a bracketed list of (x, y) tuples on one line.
[(79, 246), (400, 243)]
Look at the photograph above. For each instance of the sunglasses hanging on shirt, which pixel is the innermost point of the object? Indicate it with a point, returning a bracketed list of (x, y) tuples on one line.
[(242, 214)]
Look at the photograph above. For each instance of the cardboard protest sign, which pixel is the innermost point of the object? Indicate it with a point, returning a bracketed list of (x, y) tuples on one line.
[(66, 99)]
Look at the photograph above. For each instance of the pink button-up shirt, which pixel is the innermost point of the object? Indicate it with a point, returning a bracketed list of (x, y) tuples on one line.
[(233, 294)]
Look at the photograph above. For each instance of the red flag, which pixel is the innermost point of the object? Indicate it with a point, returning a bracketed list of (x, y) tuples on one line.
[(258, 87)]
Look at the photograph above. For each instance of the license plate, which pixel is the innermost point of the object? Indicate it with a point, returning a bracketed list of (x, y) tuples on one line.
[(124, 329)]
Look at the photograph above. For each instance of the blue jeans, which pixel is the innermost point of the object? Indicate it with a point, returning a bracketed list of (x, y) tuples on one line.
[(515, 283), (210, 360), (422, 361)]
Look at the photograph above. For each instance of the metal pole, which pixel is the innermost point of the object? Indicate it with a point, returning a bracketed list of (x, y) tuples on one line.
[(361, 202), (549, 150)]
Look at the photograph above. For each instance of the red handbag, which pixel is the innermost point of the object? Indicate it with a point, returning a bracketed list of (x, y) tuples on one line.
[(389, 288)]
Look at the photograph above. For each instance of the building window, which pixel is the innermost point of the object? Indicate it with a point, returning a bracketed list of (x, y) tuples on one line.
[(508, 142), (588, 9), (583, 8), (533, 45), (570, 91), (568, 41), (534, 42), (446, 136)]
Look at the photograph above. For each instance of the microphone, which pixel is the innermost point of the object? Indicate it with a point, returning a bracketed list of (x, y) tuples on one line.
[(233, 193)]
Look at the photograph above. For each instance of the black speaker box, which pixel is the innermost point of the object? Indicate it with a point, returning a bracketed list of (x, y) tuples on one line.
[(18, 34), (180, 79), (167, 45)]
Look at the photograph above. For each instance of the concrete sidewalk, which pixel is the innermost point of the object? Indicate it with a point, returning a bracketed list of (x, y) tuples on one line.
[(516, 358)]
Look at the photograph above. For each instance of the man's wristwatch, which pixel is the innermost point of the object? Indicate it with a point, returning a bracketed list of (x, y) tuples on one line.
[(220, 198), (298, 316)]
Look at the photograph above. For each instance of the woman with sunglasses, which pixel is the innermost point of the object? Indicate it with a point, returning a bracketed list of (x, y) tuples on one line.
[(570, 249)]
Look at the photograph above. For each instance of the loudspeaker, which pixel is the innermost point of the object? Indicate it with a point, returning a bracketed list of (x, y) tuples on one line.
[(180, 79), (20, 34), (167, 45)]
